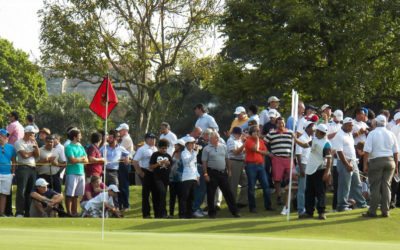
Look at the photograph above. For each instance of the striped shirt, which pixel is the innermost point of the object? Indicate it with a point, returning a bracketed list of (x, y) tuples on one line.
[(280, 143)]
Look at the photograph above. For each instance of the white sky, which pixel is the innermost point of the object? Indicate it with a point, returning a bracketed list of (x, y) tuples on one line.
[(19, 23)]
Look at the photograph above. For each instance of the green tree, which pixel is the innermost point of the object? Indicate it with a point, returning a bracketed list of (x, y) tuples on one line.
[(58, 112), (345, 53), (141, 42), (22, 86)]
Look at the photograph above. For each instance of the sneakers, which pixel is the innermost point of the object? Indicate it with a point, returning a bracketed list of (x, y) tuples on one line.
[(285, 211), (19, 216), (198, 214), (345, 209), (322, 216)]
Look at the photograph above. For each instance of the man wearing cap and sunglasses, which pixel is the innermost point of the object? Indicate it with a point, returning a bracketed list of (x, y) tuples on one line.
[(240, 119), (273, 103), (7, 156), (141, 163), (27, 150)]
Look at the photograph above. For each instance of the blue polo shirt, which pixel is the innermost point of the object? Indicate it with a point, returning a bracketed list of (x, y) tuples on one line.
[(6, 154), (114, 155)]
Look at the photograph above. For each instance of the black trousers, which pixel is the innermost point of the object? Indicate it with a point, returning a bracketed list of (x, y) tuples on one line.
[(174, 188), (149, 187), (161, 190), (335, 186), (123, 179), (219, 179), (186, 199), (315, 190)]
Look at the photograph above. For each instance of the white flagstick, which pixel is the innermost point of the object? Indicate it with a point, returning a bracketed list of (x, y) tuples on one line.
[(295, 100), (105, 158)]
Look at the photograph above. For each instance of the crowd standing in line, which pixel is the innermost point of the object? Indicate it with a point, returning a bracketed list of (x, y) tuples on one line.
[(357, 158)]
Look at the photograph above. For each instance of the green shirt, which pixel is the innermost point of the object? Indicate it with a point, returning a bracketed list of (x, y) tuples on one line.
[(75, 151)]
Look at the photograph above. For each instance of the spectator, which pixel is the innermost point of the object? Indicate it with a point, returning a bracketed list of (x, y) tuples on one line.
[(167, 134), (271, 124), (6, 171), (236, 158), (240, 119), (75, 176), (30, 120), (92, 189), (381, 163), (175, 177), (300, 120), (216, 170), (273, 103), (27, 150), (160, 164), (141, 162), (45, 201), (204, 120), (326, 113), (94, 207), (255, 152), (43, 133), (15, 129), (96, 160)]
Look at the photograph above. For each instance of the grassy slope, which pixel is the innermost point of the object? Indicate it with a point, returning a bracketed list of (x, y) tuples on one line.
[(255, 231)]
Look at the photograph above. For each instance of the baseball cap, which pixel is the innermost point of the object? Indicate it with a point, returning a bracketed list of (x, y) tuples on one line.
[(323, 128), (239, 110), (236, 130), (113, 188), (397, 116), (347, 120), (273, 99), (273, 113), (381, 119), (46, 131), (122, 126), (181, 142), (188, 138), (338, 114), (30, 129), (149, 135), (325, 106), (313, 118), (307, 123), (41, 182), (3, 132)]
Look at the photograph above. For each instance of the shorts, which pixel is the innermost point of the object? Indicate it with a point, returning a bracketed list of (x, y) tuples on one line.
[(74, 185), (281, 168), (5, 183)]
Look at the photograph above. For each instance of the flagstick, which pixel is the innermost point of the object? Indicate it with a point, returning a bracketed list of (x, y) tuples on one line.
[(105, 158), (295, 100)]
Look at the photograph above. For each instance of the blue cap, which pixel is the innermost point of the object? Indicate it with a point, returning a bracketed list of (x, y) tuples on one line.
[(3, 132)]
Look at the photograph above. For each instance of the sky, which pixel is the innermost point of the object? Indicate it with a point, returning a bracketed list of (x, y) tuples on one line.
[(19, 24)]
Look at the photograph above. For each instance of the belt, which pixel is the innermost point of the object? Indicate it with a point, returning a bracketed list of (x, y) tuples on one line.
[(257, 163), (111, 170), (26, 166), (236, 160), (216, 170)]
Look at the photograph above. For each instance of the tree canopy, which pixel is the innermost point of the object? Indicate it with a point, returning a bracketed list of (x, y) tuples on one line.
[(345, 53), (22, 86), (140, 43)]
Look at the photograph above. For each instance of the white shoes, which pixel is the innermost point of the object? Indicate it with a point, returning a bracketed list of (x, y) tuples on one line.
[(198, 214), (285, 211)]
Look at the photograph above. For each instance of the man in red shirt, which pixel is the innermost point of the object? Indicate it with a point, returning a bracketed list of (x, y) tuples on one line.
[(95, 168), (255, 170)]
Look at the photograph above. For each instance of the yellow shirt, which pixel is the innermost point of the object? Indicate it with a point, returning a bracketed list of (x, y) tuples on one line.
[(238, 123)]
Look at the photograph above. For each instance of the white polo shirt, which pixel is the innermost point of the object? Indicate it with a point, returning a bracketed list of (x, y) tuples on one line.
[(356, 127), (143, 155), (171, 138), (206, 121), (396, 131), (380, 143), (344, 142), (232, 145), (304, 152)]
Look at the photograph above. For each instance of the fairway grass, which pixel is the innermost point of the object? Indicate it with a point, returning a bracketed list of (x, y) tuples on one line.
[(264, 230)]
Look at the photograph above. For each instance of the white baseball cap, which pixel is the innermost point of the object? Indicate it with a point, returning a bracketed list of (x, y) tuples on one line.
[(113, 188), (30, 129), (325, 106), (41, 182), (239, 110), (338, 114), (188, 138), (348, 120), (307, 123), (123, 126), (273, 99), (273, 113), (397, 116), (180, 142), (323, 128), (381, 119)]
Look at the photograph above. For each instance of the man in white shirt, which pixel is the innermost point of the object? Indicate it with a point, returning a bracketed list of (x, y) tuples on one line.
[(360, 130), (381, 163), (204, 120), (395, 128), (124, 168), (166, 133), (273, 103), (349, 184), (94, 207), (141, 163), (302, 155)]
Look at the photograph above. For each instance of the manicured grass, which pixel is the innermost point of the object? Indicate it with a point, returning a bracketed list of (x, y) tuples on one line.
[(264, 230)]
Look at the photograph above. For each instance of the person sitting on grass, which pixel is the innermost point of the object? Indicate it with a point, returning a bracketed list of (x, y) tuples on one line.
[(94, 207), (45, 201), (92, 189)]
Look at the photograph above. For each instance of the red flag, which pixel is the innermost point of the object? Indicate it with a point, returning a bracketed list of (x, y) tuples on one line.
[(98, 104)]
